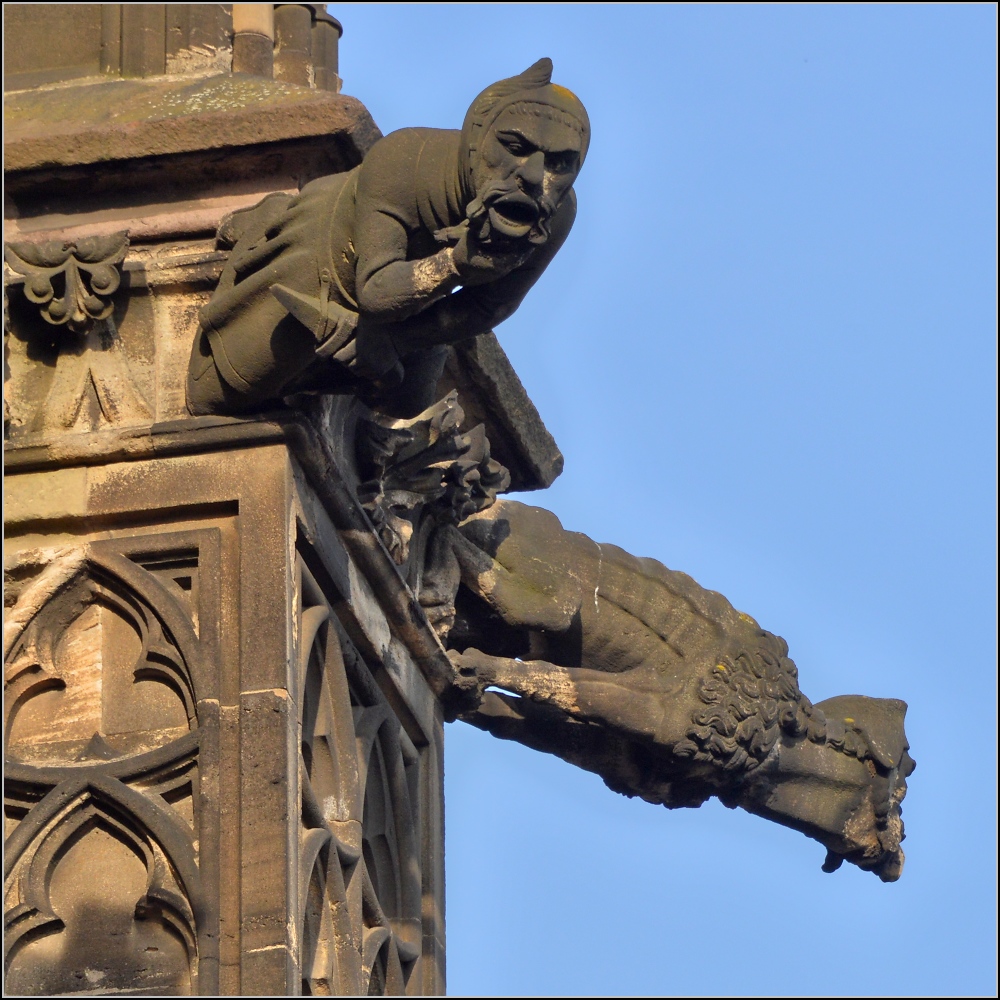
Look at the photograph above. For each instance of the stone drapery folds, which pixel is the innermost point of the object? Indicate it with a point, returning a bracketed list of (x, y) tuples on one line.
[(358, 282)]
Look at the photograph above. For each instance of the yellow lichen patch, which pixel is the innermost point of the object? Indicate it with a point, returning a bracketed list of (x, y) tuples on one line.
[(850, 722), (564, 91)]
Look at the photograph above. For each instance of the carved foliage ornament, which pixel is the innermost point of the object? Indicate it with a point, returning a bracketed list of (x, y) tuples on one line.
[(71, 281), (425, 462)]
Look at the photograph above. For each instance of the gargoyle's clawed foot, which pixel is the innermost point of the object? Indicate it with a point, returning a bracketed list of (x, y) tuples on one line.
[(474, 670), (472, 674)]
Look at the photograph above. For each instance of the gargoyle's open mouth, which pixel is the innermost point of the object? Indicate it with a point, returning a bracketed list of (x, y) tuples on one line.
[(514, 215)]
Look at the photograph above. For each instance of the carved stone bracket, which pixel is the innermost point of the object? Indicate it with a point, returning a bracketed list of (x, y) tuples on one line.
[(93, 382), (426, 462), (87, 272)]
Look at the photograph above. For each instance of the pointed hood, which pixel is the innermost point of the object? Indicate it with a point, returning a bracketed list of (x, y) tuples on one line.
[(533, 86)]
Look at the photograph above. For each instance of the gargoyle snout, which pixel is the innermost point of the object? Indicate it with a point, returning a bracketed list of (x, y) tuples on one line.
[(872, 835)]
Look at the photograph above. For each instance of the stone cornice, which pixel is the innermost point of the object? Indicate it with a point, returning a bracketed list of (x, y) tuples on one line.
[(106, 121)]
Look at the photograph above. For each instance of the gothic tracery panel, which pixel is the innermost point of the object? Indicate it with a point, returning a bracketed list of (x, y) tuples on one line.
[(360, 877), (104, 674)]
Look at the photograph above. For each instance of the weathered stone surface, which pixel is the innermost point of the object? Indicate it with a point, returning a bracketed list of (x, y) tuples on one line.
[(171, 640), (130, 119), (631, 670), (360, 282)]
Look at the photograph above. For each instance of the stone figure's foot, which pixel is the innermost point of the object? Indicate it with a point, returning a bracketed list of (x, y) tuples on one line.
[(847, 799)]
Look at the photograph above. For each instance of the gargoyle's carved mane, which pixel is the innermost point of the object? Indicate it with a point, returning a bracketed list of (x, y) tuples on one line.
[(750, 693), (751, 697)]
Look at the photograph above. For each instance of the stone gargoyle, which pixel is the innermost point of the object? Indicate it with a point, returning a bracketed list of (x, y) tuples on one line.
[(360, 281), (633, 671)]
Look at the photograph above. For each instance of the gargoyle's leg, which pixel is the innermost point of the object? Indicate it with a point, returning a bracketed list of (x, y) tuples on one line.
[(511, 595), (541, 727), (452, 559), (632, 702), (535, 680), (546, 729)]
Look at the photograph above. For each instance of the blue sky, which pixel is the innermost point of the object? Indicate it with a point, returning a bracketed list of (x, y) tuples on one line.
[(767, 352)]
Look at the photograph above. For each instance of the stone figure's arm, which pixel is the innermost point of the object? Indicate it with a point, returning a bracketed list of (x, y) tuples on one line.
[(390, 288), (476, 310)]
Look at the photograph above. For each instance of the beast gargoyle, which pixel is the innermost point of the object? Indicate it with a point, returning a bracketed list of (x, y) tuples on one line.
[(357, 283), (631, 670)]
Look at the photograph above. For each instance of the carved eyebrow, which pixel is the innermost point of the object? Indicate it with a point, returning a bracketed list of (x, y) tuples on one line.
[(510, 133), (513, 134)]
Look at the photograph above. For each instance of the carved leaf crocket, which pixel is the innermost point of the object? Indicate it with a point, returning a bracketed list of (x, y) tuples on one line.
[(631, 670)]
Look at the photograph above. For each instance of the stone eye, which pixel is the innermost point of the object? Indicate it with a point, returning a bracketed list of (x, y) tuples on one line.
[(517, 145), (561, 163)]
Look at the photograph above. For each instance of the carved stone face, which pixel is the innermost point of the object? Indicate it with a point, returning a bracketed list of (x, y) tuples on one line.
[(527, 162)]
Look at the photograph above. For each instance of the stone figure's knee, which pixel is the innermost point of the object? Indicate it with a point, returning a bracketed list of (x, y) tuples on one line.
[(205, 387)]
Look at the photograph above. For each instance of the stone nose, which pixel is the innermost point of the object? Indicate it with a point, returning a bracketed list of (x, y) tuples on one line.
[(532, 173)]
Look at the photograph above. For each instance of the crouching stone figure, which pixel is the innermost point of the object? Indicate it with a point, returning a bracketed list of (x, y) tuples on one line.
[(631, 670), (357, 283)]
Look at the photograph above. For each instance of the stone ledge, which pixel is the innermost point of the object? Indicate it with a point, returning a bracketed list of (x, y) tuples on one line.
[(106, 121), (35, 452)]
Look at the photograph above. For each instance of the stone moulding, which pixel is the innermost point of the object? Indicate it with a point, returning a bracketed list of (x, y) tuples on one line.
[(220, 112), (88, 271)]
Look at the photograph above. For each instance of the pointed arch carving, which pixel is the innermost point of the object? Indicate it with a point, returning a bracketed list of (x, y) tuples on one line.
[(118, 797), (359, 874), (172, 895), (74, 580)]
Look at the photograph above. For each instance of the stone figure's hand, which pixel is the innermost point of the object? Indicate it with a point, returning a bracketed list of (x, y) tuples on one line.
[(478, 263)]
